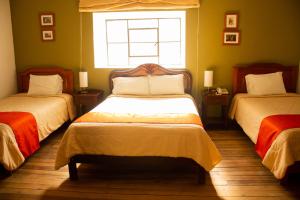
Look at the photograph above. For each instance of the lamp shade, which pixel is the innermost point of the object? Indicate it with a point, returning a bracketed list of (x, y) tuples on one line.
[(208, 78), (83, 79)]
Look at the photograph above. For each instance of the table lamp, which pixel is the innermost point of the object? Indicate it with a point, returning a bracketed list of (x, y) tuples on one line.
[(208, 79), (83, 82)]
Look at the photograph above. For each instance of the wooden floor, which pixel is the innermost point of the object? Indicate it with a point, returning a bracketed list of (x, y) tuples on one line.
[(239, 176)]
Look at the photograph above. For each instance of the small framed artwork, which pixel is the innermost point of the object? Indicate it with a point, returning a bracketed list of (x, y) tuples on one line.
[(231, 37), (231, 20), (47, 19), (48, 35)]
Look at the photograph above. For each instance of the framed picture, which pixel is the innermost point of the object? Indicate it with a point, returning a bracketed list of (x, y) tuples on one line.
[(47, 19), (231, 20), (231, 37), (48, 35)]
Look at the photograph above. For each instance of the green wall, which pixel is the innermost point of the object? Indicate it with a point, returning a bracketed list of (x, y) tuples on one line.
[(270, 32)]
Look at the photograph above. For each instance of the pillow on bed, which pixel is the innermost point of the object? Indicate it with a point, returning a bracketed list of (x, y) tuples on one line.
[(265, 84), (131, 85), (166, 84), (45, 85)]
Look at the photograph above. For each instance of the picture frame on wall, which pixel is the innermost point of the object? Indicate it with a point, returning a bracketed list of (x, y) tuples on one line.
[(47, 19), (231, 20), (48, 35), (231, 38)]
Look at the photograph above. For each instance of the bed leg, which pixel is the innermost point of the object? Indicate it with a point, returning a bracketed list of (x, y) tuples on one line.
[(4, 173), (200, 175), (285, 180), (72, 170)]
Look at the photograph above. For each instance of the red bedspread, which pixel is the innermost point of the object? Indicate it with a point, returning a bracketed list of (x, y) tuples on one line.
[(25, 130), (271, 127)]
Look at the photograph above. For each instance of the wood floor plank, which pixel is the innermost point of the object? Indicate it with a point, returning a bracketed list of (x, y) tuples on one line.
[(240, 176)]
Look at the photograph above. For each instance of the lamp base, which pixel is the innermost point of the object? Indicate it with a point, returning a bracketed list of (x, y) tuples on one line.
[(83, 91), (209, 90)]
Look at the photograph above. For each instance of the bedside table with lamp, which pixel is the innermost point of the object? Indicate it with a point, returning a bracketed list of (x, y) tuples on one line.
[(213, 97), (86, 99)]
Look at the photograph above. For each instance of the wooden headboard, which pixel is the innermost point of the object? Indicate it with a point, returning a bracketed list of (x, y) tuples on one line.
[(153, 69), (67, 76), (290, 75)]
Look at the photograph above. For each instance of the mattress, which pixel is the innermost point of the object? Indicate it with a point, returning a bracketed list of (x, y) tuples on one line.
[(141, 139), (250, 110), (50, 113)]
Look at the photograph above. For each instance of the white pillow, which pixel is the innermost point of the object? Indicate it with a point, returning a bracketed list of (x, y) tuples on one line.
[(264, 84), (166, 84), (131, 85), (45, 85)]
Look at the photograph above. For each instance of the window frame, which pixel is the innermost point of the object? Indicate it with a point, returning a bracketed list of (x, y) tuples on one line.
[(103, 62)]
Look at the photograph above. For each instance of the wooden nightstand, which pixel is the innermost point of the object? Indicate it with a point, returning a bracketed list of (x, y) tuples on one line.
[(212, 98), (84, 102)]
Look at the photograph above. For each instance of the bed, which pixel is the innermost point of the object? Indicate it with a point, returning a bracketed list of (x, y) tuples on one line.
[(49, 113), (249, 111), (169, 137)]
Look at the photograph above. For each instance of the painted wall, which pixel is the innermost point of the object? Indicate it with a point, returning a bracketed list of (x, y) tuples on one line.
[(298, 88), (7, 57), (270, 32)]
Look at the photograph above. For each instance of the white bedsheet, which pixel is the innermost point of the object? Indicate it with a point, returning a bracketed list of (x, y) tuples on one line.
[(250, 110), (50, 113), (141, 139)]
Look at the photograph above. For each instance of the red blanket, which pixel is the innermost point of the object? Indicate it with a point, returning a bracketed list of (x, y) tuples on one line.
[(271, 127), (25, 130)]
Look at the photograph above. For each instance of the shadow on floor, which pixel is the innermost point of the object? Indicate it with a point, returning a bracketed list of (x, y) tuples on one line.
[(98, 182), (4, 173)]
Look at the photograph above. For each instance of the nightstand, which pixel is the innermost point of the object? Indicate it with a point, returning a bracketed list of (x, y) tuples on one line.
[(85, 102), (213, 99)]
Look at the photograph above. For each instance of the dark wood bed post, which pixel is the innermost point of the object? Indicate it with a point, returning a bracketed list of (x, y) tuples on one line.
[(4, 172), (292, 172), (200, 175), (73, 170)]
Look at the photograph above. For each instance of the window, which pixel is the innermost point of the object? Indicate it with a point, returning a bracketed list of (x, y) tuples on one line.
[(127, 39)]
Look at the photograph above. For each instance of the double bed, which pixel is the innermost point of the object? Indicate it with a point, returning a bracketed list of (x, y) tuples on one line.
[(250, 111), (48, 111), (140, 126)]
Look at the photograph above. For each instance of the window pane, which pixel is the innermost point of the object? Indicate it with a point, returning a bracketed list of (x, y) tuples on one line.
[(117, 31), (127, 39), (134, 61), (143, 23), (143, 49), (169, 30), (117, 54), (169, 53), (143, 35)]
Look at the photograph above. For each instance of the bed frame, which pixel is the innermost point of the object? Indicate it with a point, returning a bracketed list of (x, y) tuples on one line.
[(67, 76), (143, 70), (23, 85), (290, 77), (153, 69)]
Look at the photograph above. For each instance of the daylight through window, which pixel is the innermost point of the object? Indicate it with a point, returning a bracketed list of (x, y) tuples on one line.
[(127, 39)]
